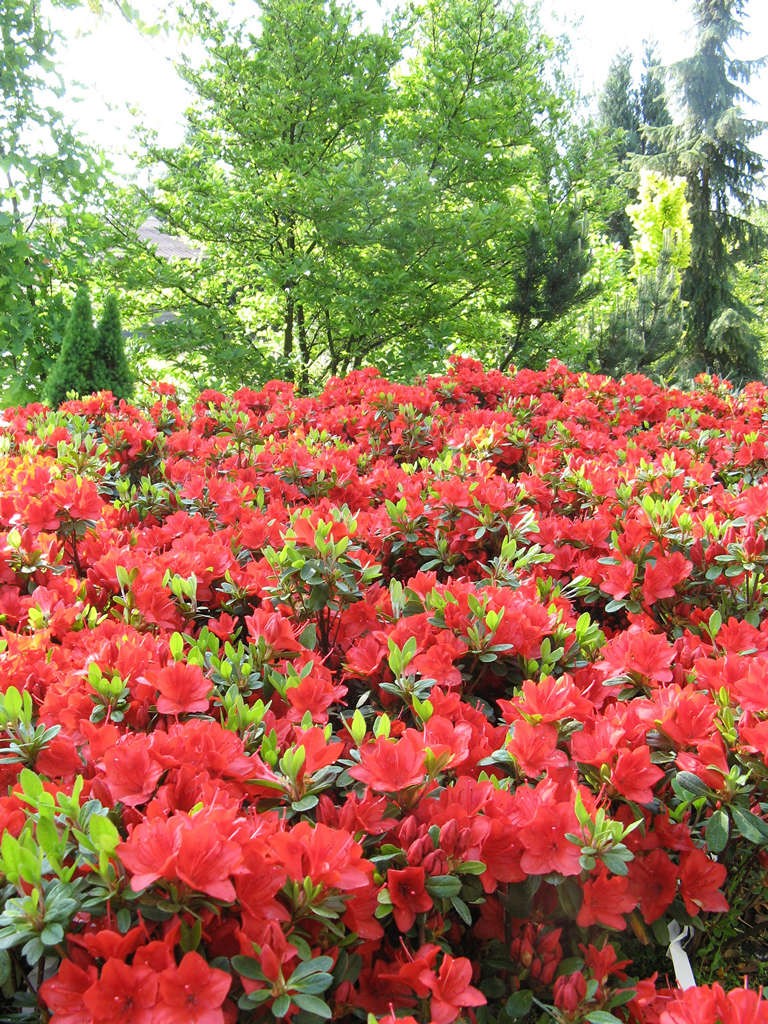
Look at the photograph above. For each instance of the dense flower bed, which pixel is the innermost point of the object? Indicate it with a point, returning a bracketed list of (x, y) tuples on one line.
[(431, 703)]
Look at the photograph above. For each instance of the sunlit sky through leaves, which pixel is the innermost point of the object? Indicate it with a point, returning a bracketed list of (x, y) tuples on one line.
[(120, 68)]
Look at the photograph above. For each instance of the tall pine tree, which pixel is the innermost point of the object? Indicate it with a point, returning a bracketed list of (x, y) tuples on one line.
[(711, 149), (631, 113)]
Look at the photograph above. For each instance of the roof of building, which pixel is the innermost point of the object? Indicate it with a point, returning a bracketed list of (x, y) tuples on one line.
[(168, 246)]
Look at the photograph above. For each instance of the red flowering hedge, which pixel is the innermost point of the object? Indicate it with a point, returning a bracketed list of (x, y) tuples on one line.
[(431, 703)]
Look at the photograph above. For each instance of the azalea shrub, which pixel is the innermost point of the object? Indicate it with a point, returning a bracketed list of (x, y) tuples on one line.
[(427, 703)]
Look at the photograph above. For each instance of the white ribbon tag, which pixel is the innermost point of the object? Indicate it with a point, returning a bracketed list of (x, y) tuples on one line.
[(680, 961)]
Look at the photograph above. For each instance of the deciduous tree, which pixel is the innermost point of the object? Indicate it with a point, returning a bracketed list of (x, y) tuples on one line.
[(360, 196), (47, 177)]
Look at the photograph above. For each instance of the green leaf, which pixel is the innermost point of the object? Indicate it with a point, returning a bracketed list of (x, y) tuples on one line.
[(602, 1017), (176, 646), (462, 910), (315, 966), (443, 886), (305, 804), (5, 967), (31, 784), (716, 832), (692, 784), (281, 1006), (616, 861), (519, 1004), (312, 1004), (749, 825), (12, 703), (103, 833), (52, 934), (247, 967), (471, 867)]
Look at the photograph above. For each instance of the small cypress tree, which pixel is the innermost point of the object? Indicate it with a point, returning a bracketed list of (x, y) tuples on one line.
[(113, 372), (76, 367)]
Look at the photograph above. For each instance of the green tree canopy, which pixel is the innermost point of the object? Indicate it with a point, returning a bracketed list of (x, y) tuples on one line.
[(47, 180), (661, 222), (356, 195)]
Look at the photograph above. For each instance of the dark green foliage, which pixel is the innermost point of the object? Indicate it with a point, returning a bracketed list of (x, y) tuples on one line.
[(651, 96), (711, 149), (90, 359), (77, 368), (631, 114), (618, 106), (643, 332), (113, 373), (549, 282)]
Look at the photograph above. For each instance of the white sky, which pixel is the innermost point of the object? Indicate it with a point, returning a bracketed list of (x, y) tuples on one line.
[(122, 69)]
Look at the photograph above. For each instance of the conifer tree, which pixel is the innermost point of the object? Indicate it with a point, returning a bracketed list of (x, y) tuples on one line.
[(549, 283), (631, 113), (651, 94), (77, 367), (643, 331), (711, 149), (113, 373)]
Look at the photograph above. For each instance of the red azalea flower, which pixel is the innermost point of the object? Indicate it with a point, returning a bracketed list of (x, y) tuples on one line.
[(653, 883), (279, 634), (408, 895), (451, 989), (700, 881), (534, 747), (107, 943), (663, 575), (602, 963), (569, 992), (183, 689), (549, 699), (276, 954), (754, 735), (149, 852), (205, 859), (709, 762), (633, 775), (597, 742), (318, 751), (617, 580), (314, 693), (122, 993), (606, 899), (330, 857), (390, 766), (546, 848), (698, 1005), (131, 772), (638, 652), (191, 993), (63, 993)]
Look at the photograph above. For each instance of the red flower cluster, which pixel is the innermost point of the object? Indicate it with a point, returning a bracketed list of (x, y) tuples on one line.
[(399, 701)]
